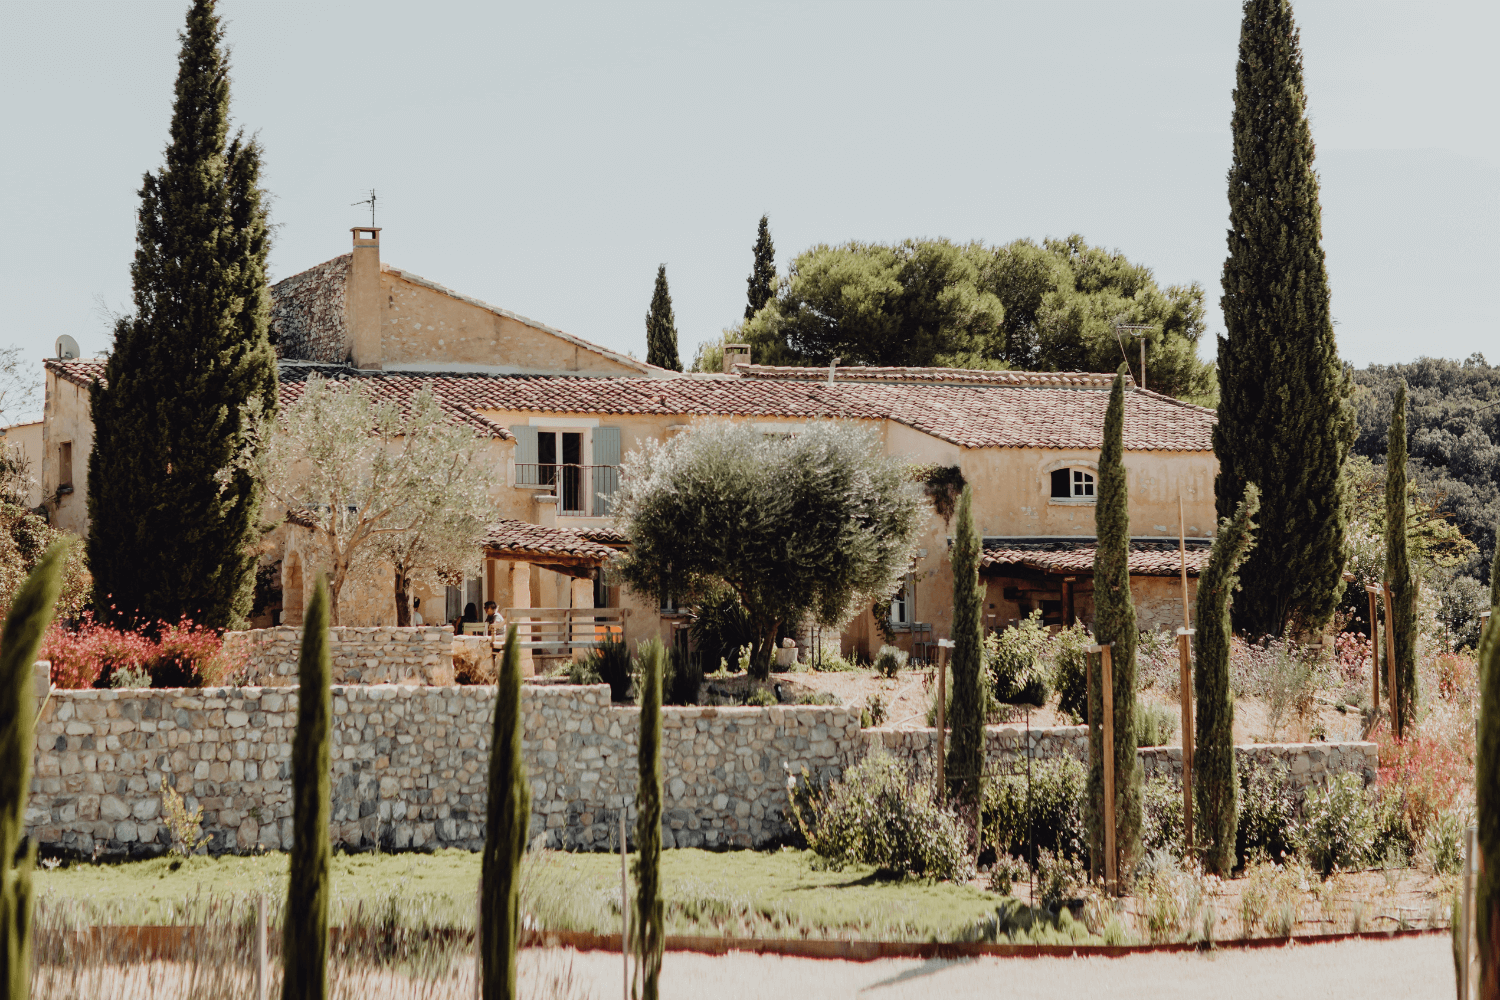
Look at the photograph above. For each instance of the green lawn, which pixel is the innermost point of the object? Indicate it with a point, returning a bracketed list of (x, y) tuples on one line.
[(766, 894)]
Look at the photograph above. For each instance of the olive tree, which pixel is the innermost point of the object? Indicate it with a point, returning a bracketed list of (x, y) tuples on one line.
[(378, 483), (818, 522)]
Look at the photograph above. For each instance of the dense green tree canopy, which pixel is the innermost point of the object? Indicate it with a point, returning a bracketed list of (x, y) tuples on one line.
[(1051, 306)]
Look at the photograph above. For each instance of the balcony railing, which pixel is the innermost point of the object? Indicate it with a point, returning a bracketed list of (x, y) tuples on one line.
[(582, 490)]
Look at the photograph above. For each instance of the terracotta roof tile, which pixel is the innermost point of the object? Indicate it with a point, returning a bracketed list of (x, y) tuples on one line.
[(974, 416), (522, 538), (950, 376), (1146, 558)]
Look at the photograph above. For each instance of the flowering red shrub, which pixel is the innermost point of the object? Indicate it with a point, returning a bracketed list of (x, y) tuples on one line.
[(1354, 654), (1431, 776), (186, 655)]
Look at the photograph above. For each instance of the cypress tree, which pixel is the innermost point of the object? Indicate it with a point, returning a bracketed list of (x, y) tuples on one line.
[(507, 821), (661, 328), (965, 765), (649, 924), (762, 280), (1215, 783), (1114, 622), (1487, 803), (304, 947), (1398, 576), (1285, 420), (25, 624), (170, 533)]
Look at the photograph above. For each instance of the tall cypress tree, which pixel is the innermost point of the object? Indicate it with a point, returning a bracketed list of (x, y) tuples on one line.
[(1487, 807), (25, 624), (661, 327), (170, 532), (648, 926), (1114, 622), (1285, 420), (506, 823), (762, 280), (1398, 576), (965, 765), (304, 946), (1215, 783)]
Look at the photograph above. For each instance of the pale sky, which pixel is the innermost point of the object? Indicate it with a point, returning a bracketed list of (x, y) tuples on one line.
[(546, 157)]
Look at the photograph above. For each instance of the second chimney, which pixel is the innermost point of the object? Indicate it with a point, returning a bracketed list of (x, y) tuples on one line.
[(735, 354), (362, 298)]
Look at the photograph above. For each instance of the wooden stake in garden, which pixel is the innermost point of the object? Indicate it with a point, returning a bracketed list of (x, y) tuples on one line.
[(1390, 660), (1371, 590), (942, 719), (1108, 702), (262, 973), (1185, 683)]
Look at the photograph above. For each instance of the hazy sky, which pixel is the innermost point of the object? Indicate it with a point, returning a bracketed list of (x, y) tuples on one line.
[(546, 157)]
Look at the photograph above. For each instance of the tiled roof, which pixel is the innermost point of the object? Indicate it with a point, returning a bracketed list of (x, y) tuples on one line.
[(974, 416), (294, 376), (947, 376), (603, 535), (1146, 558), (522, 538)]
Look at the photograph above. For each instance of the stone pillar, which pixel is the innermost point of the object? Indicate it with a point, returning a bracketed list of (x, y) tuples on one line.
[(581, 596), (520, 597)]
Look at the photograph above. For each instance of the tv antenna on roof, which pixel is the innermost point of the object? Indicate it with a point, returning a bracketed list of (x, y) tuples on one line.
[(368, 201), (1137, 328)]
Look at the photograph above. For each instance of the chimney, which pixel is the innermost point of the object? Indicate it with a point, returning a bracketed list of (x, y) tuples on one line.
[(735, 354), (362, 298)]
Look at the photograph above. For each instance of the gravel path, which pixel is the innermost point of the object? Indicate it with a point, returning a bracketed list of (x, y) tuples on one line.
[(1409, 968)]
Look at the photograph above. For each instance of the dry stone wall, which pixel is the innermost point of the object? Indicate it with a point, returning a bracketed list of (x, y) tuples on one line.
[(421, 655), (409, 765)]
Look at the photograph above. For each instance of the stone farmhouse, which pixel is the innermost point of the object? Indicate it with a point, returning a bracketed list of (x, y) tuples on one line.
[(561, 412)]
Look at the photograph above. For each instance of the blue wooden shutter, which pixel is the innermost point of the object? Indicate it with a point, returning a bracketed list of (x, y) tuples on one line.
[(606, 464), (526, 454)]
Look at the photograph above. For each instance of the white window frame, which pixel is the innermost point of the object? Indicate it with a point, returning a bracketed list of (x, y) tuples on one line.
[(1078, 477), (903, 602)]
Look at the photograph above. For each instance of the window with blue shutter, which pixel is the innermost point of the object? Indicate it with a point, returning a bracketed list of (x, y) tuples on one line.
[(526, 456), (606, 465)]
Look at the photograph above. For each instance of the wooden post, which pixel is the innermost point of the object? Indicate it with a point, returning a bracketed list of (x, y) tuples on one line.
[(942, 714), (624, 908), (1466, 928), (1371, 591), (1088, 707), (1390, 663), (262, 977), (1106, 701), (1185, 678), (478, 941)]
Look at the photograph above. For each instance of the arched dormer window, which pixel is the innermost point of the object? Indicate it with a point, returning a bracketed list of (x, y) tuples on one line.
[(1073, 484)]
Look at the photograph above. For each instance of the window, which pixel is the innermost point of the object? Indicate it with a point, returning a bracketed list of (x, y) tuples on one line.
[(903, 604), (1072, 484), (65, 466), (560, 459)]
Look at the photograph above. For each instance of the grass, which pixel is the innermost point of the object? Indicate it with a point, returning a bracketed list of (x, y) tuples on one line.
[(765, 894)]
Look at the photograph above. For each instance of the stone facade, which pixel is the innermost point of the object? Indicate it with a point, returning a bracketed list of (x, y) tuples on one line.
[(361, 655), (410, 765)]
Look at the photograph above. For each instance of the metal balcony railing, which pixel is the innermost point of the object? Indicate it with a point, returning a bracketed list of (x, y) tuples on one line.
[(582, 490)]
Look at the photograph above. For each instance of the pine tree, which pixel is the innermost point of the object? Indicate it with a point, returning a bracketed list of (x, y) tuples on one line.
[(170, 532), (1114, 623), (1487, 804), (1285, 420), (648, 921), (965, 765), (661, 328), (506, 825), (1215, 783), (1398, 576), (762, 280), (25, 624), (304, 945)]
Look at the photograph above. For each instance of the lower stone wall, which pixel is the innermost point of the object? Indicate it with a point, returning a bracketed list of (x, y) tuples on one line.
[(361, 655), (410, 765)]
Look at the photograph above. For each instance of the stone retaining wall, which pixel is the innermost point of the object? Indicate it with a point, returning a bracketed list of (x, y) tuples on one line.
[(361, 655), (410, 763)]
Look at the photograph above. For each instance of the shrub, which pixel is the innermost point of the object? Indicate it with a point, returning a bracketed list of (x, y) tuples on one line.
[(1338, 829), (1392, 830), (1054, 821), (1267, 807), (186, 655), (1158, 664), (1007, 873), (127, 678), (1013, 659), (1154, 724), (184, 825), (612, 665), (881, 815), (1058, 879), (1161, 817), (890, 661), (1431, 776), (876, 709), (1443, 847), (1069, 669), (760, 696), (684, 677)]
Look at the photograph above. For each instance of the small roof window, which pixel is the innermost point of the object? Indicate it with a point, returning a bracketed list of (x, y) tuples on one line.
[(1072, 484)]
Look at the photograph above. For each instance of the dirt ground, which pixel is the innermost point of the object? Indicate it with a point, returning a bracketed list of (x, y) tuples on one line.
[(1411, 968)]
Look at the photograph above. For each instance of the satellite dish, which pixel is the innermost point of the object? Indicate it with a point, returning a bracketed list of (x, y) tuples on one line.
[(67, 348)]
